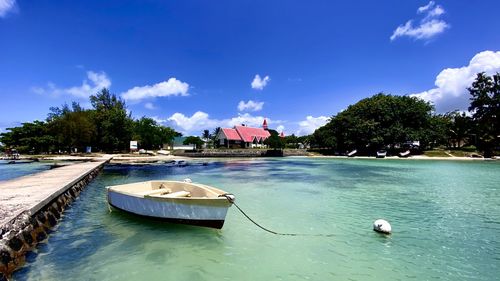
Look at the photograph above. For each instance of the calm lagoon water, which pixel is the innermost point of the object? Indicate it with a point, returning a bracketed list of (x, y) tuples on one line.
[(445, 217), (10, 171)]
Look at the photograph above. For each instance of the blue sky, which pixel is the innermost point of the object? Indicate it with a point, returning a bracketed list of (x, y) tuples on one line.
[(191, 64)]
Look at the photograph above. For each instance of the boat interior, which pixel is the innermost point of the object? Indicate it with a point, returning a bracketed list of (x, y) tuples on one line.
[(169, 189)]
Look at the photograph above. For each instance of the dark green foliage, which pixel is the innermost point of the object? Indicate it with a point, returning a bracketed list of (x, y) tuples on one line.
[(113, 124), (375, 123), (460, 128), (31, 137), (214, 134), (150, 134), (485, 109), (274, 141), (292, 141), (107, 127), (206, 134), (71, 128), (193, 140), (385, 121)]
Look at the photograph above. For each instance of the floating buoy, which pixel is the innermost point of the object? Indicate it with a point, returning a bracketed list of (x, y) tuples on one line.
[(382, 226)]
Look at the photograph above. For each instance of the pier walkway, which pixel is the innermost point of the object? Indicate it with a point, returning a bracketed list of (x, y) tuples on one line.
[(33, 192)]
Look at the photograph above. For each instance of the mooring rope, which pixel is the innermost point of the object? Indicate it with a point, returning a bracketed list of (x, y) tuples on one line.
[(230, 198)]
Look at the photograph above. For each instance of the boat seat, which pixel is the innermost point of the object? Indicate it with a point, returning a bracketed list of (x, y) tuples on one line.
[(177, 194), (154, 191)]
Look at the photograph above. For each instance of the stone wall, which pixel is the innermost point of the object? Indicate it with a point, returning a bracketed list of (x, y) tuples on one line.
[(241, 153), (26, 231)]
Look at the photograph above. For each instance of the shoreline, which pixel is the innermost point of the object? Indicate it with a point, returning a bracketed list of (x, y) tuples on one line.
[(416, 157), (132, 159)]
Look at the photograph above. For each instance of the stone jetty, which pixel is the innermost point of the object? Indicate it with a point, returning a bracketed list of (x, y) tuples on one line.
[(31, 206)]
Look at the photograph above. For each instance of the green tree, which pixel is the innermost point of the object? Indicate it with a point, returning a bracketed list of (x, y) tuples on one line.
[(150, 134), (113, 124), (71, 127), (377, 122), (193, 140), (168, 134), (439, 131), (291, 141), (485, 109), (460, 128), (147, 132), (30, 137), (274, 141)]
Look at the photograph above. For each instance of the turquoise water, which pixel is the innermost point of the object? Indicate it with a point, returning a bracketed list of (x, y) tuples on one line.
[(445, 218), (10, 171)]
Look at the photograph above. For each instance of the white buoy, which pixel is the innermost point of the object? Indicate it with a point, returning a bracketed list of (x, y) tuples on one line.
[(382, 226)]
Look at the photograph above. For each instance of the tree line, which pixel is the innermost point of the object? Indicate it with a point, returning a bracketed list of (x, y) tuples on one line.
[(105, 127), (395, 123)]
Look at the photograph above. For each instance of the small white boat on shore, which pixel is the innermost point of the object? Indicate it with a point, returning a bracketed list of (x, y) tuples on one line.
[(173, 201), (352, 153), (381, 154), (404, 154)]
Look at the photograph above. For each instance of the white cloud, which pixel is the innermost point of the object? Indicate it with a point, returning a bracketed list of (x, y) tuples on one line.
[(6, 6), (197, 122), (159, 120), (426, 7), (250, 105), (171, 87), (249, 120), (200, 121), (96, 81), (309, 125), (259, 83), (428, 27), (150, 106), (280, 128), (451, 92)]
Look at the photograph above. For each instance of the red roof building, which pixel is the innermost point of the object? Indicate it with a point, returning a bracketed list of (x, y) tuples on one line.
[(231, 134), (243, 136)]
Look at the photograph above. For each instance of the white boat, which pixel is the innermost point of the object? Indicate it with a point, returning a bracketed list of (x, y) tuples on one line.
[(404, 154), (352, 153), (173, 201), (381, 154)]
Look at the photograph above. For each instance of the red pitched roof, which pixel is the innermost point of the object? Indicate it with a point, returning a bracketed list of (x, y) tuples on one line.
[(231, 134), (249, 133)]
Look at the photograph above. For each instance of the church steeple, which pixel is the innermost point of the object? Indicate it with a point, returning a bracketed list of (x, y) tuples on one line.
[(264, 125)]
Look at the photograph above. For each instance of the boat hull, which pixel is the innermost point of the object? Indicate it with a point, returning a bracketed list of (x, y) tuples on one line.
[(203, 212)]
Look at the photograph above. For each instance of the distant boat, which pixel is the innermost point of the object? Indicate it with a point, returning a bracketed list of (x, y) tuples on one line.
[(381, 153), (352, 153), (404, 154), (173, 201)]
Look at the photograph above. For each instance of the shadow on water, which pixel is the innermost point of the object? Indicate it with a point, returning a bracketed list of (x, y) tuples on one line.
[(155, 225), (157, 171)]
